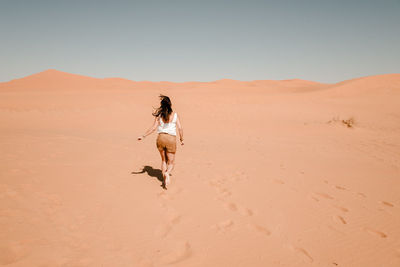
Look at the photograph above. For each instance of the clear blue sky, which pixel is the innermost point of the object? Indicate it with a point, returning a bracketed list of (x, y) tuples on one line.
[(321, 40)]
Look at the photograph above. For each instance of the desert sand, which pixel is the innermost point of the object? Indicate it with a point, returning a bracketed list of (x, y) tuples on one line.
[(272, 173)]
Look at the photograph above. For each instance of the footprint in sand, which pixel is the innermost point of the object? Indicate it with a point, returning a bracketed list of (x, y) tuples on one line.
[(217, 182), (170, 194), (173, 217), (218, 185), (224, 225), (375, 232), (314, 198), (388, 204), (340, 187), (324, 195), (242, 210), (278, 181), (231, 206), (179, 252), (339, 219), (344, 209), (245, 211), (260, 229), (164, 195), (175, 190), (214, 183), (304, 253), (361, 194), (239, 176), (163, 229), (224, 192)]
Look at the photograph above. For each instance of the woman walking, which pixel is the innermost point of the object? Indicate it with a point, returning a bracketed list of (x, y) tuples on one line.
[(165, 121)]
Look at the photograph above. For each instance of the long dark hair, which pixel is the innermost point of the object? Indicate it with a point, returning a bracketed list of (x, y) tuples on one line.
[(165, 108)]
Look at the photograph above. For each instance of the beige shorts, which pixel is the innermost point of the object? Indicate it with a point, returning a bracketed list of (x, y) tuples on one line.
[(166, 142)]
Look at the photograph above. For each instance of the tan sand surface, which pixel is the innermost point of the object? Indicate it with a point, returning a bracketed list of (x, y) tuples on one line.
[(271, 174)]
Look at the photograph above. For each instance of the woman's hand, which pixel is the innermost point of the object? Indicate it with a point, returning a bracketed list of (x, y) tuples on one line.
[(149, 131), (182, 143)]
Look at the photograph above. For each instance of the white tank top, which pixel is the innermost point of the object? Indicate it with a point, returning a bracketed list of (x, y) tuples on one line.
[(169, 128)]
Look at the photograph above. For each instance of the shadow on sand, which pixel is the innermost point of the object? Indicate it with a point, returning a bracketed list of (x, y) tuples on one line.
[(157, 173)]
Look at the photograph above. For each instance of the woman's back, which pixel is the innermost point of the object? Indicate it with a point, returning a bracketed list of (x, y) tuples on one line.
[(170, 127)]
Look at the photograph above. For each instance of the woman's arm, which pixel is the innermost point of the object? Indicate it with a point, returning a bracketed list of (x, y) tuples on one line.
[(180, 129), (150, 130)]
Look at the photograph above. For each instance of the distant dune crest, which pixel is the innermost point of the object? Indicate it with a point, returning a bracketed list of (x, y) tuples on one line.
[(52, 79)]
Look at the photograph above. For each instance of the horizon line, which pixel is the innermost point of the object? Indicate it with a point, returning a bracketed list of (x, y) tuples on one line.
[(164, 81)]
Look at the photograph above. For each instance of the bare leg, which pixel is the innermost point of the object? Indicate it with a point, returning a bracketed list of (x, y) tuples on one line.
[(163, 163), (170, 166)]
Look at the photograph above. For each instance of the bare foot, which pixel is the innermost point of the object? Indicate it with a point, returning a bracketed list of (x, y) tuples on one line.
[(167, 178), (163, 181)]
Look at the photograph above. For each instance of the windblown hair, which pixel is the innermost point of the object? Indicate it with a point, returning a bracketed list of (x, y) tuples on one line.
[(165, 108)]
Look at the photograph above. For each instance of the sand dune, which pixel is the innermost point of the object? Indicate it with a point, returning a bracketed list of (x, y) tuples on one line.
[(270, 174), (56, 80), (379, 85)]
